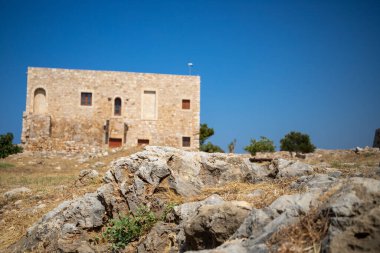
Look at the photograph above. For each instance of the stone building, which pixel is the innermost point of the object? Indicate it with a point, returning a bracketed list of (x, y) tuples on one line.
[(80, 109)]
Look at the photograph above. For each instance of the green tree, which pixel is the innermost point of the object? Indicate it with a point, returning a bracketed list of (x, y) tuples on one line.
[(7, 147), (204, 133), (297, 142), (262, 145), (231, 146)]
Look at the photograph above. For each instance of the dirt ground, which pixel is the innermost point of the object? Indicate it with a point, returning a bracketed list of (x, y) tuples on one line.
[(52, 178)]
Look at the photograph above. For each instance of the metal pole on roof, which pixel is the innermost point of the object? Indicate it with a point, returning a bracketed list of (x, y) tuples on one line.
[(190, 65)]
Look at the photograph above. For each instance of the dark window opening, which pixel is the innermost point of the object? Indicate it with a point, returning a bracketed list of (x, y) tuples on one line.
[(185, 141), (143, 142), (115, 142), (117, 107), (186, 104), (86, 98)]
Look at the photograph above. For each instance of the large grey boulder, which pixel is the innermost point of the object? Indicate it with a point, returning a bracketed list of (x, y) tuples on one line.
[(187, 172), (86, 177), (214, 224), (161, 238), (64, 226), (287, 168), (354, 215), (185, 211), (316, 182), (262, 223)]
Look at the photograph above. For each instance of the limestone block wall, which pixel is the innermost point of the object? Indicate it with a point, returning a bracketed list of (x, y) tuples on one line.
[(151, 108)]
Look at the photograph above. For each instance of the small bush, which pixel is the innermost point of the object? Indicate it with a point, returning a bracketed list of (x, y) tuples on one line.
[(297, 142), (263, 145), (211, 148), (168, 209), (7, 147), (126, 229)]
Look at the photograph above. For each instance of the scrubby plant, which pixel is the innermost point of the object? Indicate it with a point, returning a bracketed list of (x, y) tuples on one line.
[(231, 146), (120, 232), (262, 145), (211, 148), (297, 142), (168, 209), (7, 147)]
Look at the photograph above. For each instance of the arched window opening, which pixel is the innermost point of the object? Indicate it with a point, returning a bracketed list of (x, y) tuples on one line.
[(39, 102), (117, 107)]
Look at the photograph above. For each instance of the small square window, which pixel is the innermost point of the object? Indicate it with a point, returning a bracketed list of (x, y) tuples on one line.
[(142, 142), (186, 104), (185, 141), (86, 98)]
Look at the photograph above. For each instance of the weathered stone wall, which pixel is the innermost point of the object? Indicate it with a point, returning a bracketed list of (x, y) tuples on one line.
[(60, 100)]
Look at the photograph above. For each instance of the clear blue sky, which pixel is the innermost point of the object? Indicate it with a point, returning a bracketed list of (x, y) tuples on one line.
[(266, 67)]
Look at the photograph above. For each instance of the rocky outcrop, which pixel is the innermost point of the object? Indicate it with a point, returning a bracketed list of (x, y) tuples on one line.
[(354, 215), (161, 238), (65, 227), (352, 210), (213, 224)]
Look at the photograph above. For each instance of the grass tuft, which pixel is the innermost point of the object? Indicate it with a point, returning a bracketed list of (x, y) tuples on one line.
[(6, 165)]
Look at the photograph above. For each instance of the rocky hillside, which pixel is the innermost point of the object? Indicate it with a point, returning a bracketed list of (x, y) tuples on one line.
[(222, 203)]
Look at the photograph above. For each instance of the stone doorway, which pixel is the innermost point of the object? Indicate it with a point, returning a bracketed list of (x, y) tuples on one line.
[(115, 142)]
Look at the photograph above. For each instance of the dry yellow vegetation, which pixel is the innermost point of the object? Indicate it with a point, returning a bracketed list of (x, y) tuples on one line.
[(52, 181)]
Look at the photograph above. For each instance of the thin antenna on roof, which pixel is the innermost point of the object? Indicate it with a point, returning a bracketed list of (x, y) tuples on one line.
[(190, 65)]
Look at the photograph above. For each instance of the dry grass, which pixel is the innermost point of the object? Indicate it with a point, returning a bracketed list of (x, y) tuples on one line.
[(51, 179), (271, 190), (307, 234), (347, 161)]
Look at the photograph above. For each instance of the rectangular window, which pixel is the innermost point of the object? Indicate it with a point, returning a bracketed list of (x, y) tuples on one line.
[(142, 142), (149, 105), (186, 104), (86, 98), (115, 142), (185, 141)]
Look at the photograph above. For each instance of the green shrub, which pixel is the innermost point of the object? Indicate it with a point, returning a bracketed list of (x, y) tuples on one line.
[(297, 142), (168, 209), (263, 145), (7, 147), (126, 229), (211, 148), (204, 133)]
